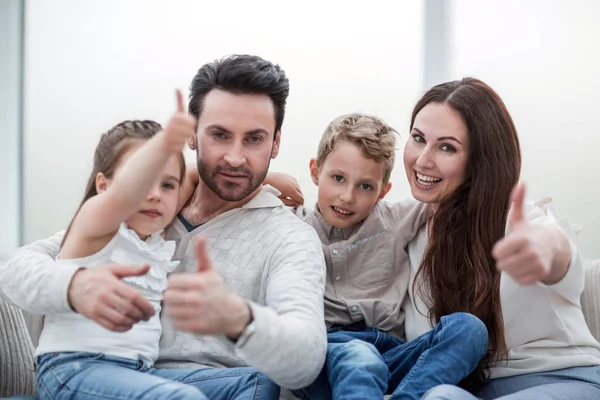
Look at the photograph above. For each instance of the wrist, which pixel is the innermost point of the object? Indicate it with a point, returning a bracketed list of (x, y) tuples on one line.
[(267, 180), (167, 143), (561, 257), (70, 290), (242, 317)]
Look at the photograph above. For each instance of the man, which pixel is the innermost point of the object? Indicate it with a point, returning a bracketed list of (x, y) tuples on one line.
[(252, 288)]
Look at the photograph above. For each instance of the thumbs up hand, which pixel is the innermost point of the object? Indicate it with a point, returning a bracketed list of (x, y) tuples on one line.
[(181, 127), (528, 251), (201, 303)]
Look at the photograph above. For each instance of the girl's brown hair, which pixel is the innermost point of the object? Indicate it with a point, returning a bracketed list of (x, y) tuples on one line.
[(111, 148), (458, 273)]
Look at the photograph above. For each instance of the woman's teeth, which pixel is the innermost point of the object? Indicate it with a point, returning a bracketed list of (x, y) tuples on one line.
[(427, 180)]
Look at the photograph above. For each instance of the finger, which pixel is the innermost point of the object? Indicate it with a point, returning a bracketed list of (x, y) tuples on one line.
[(521, 269), (289, 202), (116, 317), (299, 196), (508, 246), (181, 312), (177, 298), (123, 271), (106, 323), (180, 106), (202, 260), (144, 306), (131, 311), (517, 214), (181, 282), (514, 265), (136, 299)]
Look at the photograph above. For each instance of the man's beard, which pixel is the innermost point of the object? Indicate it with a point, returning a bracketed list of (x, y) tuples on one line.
[(231, 191)]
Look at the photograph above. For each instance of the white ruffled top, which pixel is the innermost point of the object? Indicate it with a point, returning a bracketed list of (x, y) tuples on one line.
[(129, 249), (72, 332)]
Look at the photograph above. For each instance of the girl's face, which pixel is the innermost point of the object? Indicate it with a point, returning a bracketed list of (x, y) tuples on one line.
[(160, 205)]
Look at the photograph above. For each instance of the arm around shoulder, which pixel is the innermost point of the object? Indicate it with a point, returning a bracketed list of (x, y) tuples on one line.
[(32, 280), (406, 216)]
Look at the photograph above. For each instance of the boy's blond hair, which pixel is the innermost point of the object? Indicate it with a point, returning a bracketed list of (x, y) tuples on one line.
[(375, 138)]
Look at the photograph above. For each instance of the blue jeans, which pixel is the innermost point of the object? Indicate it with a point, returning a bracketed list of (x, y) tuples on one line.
[(97, 376), (578, 383), (368, 364)]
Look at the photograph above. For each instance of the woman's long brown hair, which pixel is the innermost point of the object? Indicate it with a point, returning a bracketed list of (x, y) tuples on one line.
[(458, 273)]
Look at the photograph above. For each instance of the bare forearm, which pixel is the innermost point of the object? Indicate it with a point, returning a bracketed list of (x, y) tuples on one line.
[(135, 179), (192, 178)]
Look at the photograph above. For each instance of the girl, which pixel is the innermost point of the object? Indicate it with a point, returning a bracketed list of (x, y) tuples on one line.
[(131, 196)]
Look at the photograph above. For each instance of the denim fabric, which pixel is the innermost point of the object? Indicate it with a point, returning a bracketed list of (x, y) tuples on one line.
[(579, 383), (368, 364), (98, 376)]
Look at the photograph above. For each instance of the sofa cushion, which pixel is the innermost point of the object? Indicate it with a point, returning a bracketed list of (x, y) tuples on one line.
[(16, 353), (590, 299)]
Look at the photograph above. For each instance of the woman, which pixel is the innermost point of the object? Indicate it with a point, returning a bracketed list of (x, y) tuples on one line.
[(463, 158)]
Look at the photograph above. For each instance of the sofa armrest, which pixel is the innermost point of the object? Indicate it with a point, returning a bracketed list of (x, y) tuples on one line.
[(590, 299)]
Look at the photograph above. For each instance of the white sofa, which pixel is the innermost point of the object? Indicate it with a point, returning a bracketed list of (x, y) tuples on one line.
[(16, 345)]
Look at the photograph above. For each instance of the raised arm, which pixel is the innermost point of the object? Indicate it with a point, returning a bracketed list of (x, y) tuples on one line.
[(189, 185), (102, 214)]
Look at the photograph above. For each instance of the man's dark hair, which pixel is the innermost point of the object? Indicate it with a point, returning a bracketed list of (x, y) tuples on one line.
[(241, 74)]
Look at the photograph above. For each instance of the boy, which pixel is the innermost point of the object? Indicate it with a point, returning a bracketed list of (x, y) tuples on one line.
[(368, 271)]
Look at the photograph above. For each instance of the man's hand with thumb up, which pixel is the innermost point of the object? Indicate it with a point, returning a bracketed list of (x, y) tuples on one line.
[(200, 302)]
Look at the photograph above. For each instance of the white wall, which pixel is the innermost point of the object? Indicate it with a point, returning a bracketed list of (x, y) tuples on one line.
[(543, 58), (91, 64), (10, 120)]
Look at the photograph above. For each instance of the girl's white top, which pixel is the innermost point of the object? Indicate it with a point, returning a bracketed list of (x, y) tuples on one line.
[(72, 332)]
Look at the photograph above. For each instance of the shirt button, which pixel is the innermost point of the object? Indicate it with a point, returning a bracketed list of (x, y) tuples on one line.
[(337, 278), (338, 229), (335, 252), (354, 309)]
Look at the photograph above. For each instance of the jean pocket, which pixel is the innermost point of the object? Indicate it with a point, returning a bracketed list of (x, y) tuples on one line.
[(65, 366)]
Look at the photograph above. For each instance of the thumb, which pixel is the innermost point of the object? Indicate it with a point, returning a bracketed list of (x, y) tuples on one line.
[(180, 106), (123, 271), (202, 260), (517, 214)]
